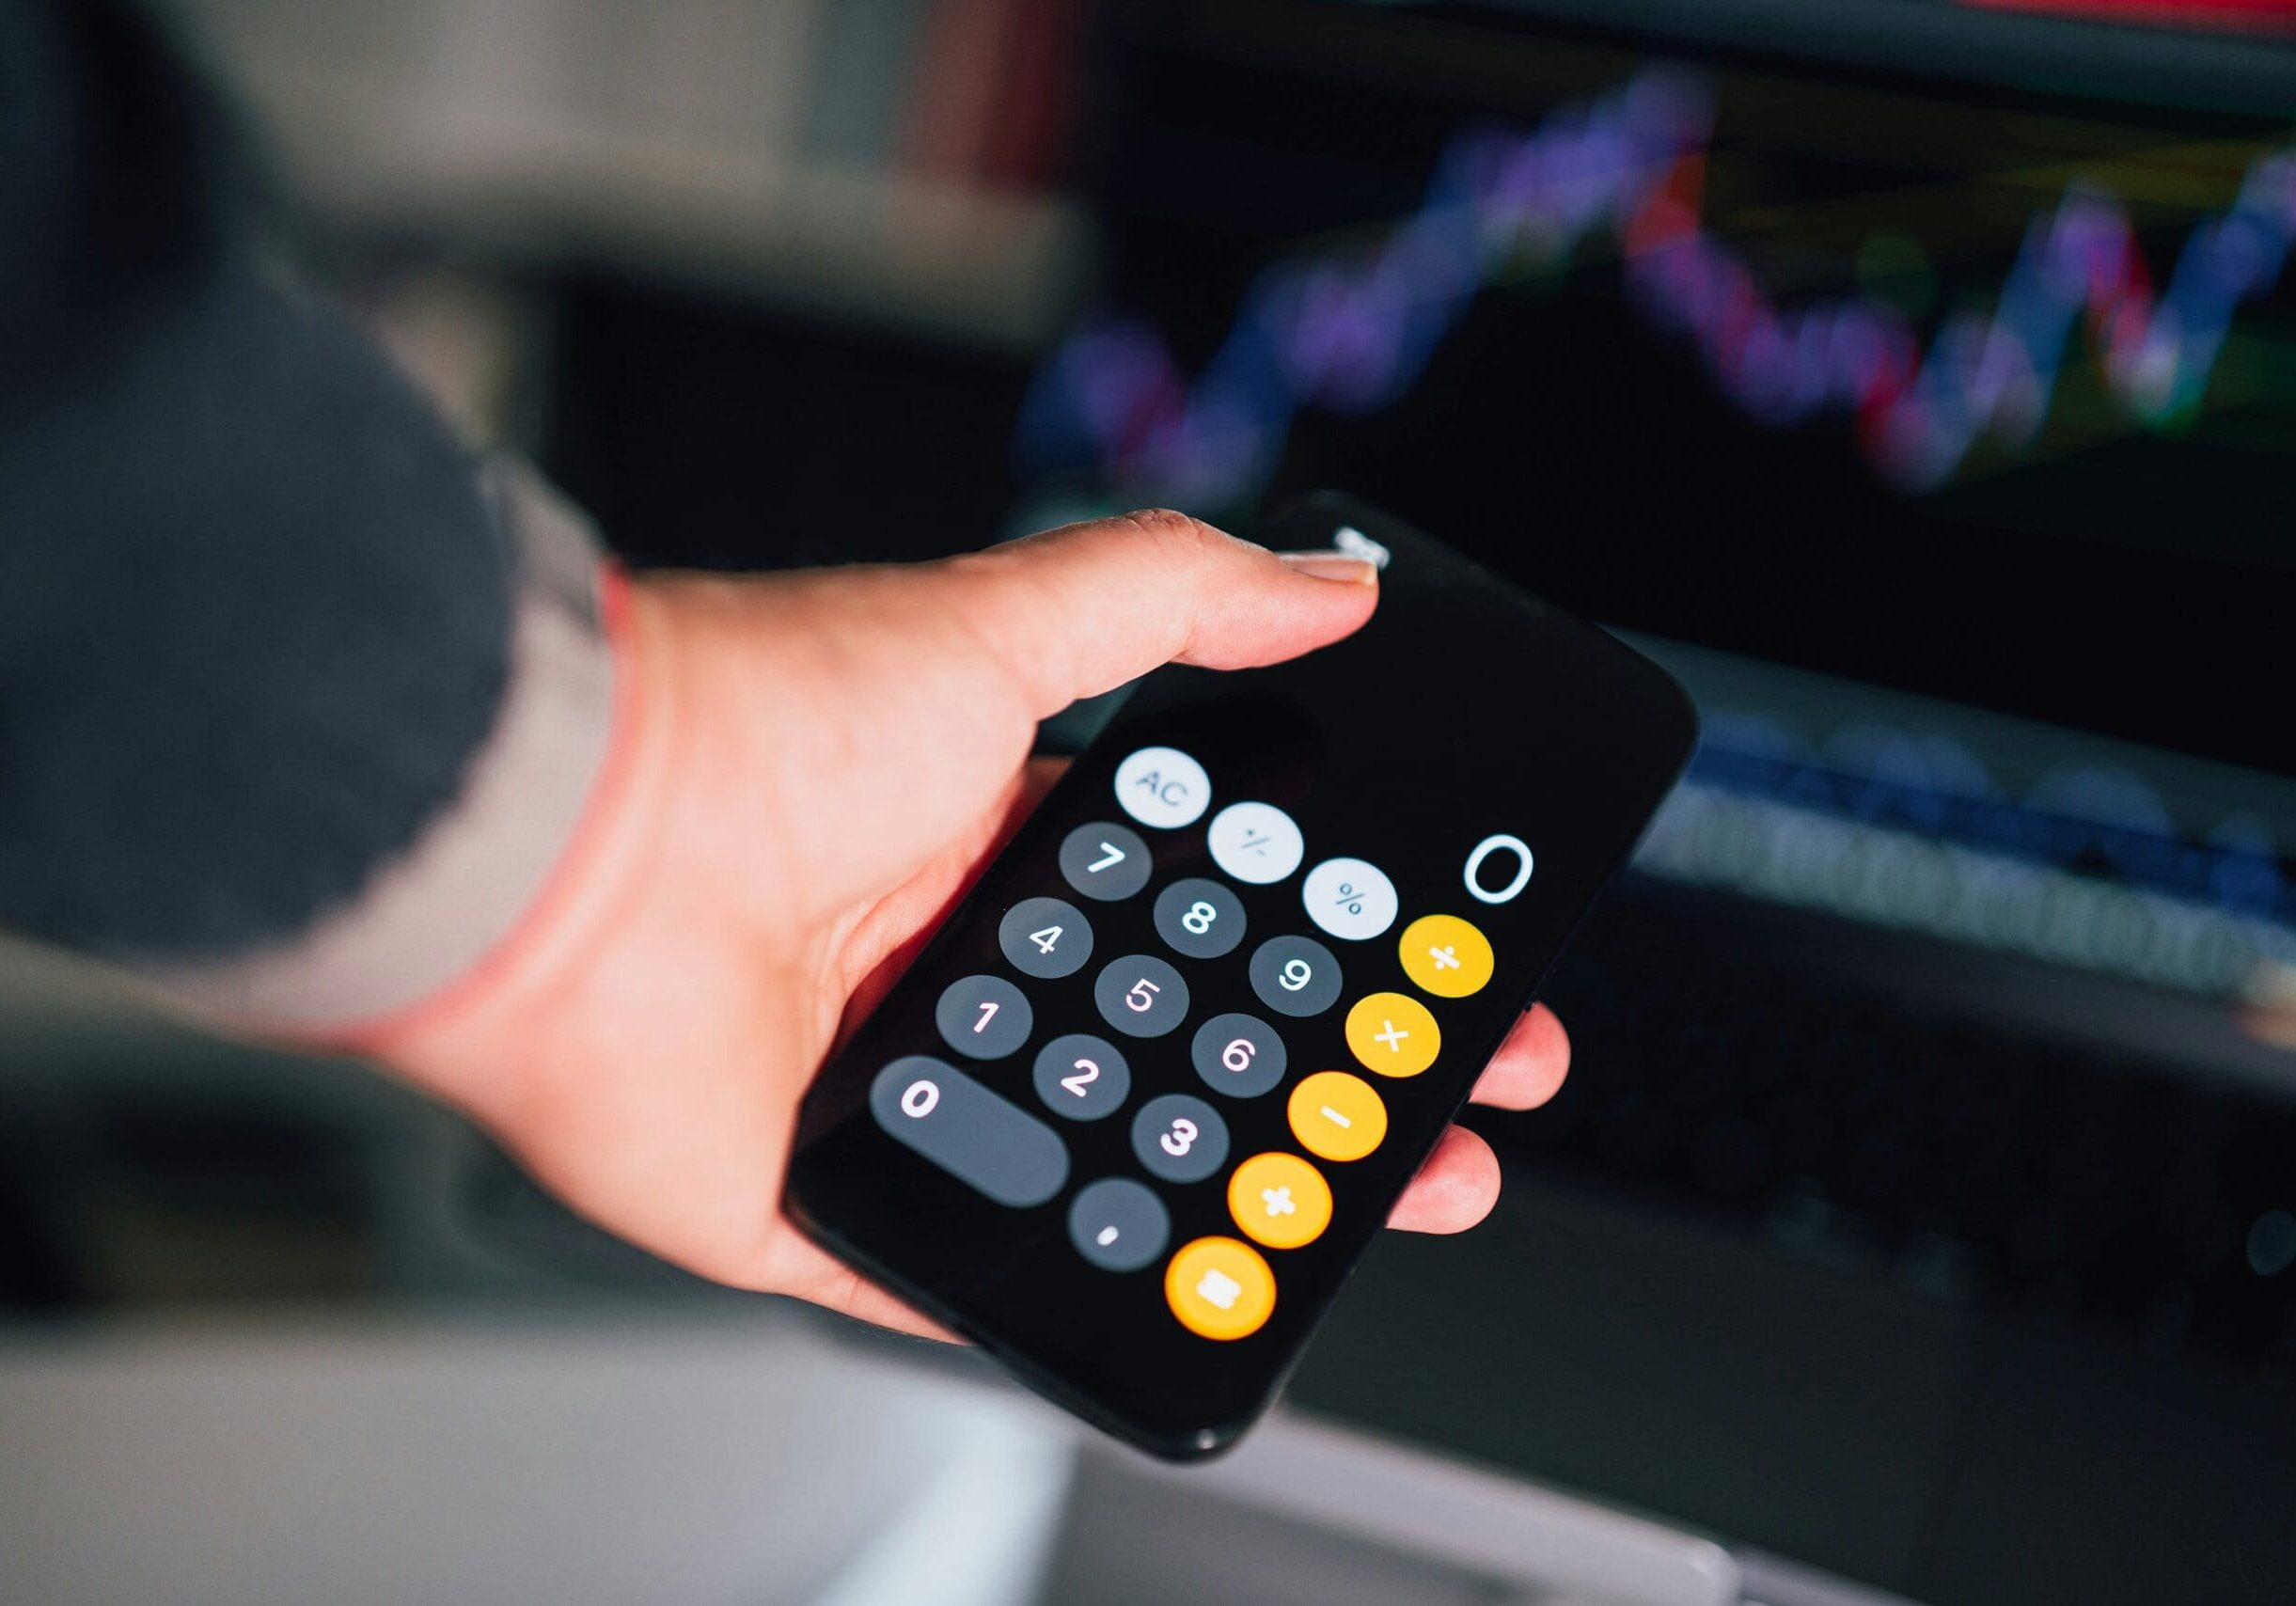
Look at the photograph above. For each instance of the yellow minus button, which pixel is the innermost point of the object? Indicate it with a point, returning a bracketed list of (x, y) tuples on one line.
[(1336, 1116), (1445, 955), (1392, 1034)]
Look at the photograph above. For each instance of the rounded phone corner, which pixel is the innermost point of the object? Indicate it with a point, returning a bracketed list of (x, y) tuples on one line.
[(1685, 709), (1185, 1447), (1181, 1437)]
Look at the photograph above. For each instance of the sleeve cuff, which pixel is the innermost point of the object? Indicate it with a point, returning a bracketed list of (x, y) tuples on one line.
[(432, 920)]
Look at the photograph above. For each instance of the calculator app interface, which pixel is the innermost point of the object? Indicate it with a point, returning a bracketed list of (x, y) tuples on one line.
[(1134, 1112)]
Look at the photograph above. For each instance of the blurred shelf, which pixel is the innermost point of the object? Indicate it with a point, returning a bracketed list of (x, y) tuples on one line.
[(661, 143)]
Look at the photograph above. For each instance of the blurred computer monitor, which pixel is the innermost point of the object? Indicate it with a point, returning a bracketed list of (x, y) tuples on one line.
[(1847, 346)]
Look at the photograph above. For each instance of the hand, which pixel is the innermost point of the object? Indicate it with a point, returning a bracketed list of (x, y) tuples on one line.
[(811, 768)]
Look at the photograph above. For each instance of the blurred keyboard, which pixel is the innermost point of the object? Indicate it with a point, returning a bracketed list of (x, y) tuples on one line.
[(1966, 1161)]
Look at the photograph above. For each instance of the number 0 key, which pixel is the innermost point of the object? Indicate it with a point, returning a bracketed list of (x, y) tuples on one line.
[(974, 1135)]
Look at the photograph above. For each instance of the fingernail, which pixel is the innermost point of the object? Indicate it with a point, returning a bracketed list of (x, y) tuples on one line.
[(1342, 566)]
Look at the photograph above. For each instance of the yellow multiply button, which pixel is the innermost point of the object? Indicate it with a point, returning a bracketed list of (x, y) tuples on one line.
[(1446, 955), (1392, 1034), (1279, 1200), (1219, 1288), (1336, 1116)]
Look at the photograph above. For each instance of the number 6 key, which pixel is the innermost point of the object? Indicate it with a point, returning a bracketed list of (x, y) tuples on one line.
[(1239, 1055)]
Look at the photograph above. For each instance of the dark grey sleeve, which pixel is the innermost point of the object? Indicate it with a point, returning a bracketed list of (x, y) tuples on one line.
[(257, 609)]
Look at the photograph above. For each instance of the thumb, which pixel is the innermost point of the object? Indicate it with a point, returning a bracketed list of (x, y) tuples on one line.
[(1081, 609)]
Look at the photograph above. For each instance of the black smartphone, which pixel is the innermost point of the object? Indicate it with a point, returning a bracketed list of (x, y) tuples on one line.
[(1139, 1106)]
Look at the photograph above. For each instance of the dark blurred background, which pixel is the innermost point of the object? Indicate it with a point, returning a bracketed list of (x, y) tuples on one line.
[(1917, 380)]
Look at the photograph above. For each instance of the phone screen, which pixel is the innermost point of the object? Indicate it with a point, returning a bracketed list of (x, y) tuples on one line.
[(1141, 1105)]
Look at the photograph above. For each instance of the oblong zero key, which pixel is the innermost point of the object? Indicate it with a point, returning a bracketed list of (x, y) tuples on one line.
[(976, 1136)]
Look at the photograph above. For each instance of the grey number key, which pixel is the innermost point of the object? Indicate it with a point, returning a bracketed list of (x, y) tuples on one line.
[(1199, 918), (1082, 1076), (1239, 1055), (1295, 975), (974, 1135), (983, 1018), (1104, 861), (1046, 938), (1179, 1137), (1141, 995)]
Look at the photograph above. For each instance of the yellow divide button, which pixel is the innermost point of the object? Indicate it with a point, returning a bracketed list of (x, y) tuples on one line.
[(1392, 1034), (1336, 1116), (1279, 1200), (1446, 955), (1219, 1288)]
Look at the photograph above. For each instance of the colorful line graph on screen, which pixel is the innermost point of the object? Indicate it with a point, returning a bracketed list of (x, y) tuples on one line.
[(1352, 329)]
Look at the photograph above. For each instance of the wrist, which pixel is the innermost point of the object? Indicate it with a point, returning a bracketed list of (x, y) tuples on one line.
[(425, 931), (478, 1039)]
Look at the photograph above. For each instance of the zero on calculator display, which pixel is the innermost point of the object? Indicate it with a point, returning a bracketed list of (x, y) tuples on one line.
[(1140, 1104)]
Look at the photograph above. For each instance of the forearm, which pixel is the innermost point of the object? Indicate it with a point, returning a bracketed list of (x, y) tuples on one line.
[(297, 705)]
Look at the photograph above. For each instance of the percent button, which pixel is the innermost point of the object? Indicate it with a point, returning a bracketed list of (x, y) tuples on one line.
[(1349, 898)]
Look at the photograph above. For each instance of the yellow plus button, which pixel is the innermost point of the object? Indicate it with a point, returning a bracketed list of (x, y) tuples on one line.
[(1392, 1034), (1279, 1200), (1445, 955)]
